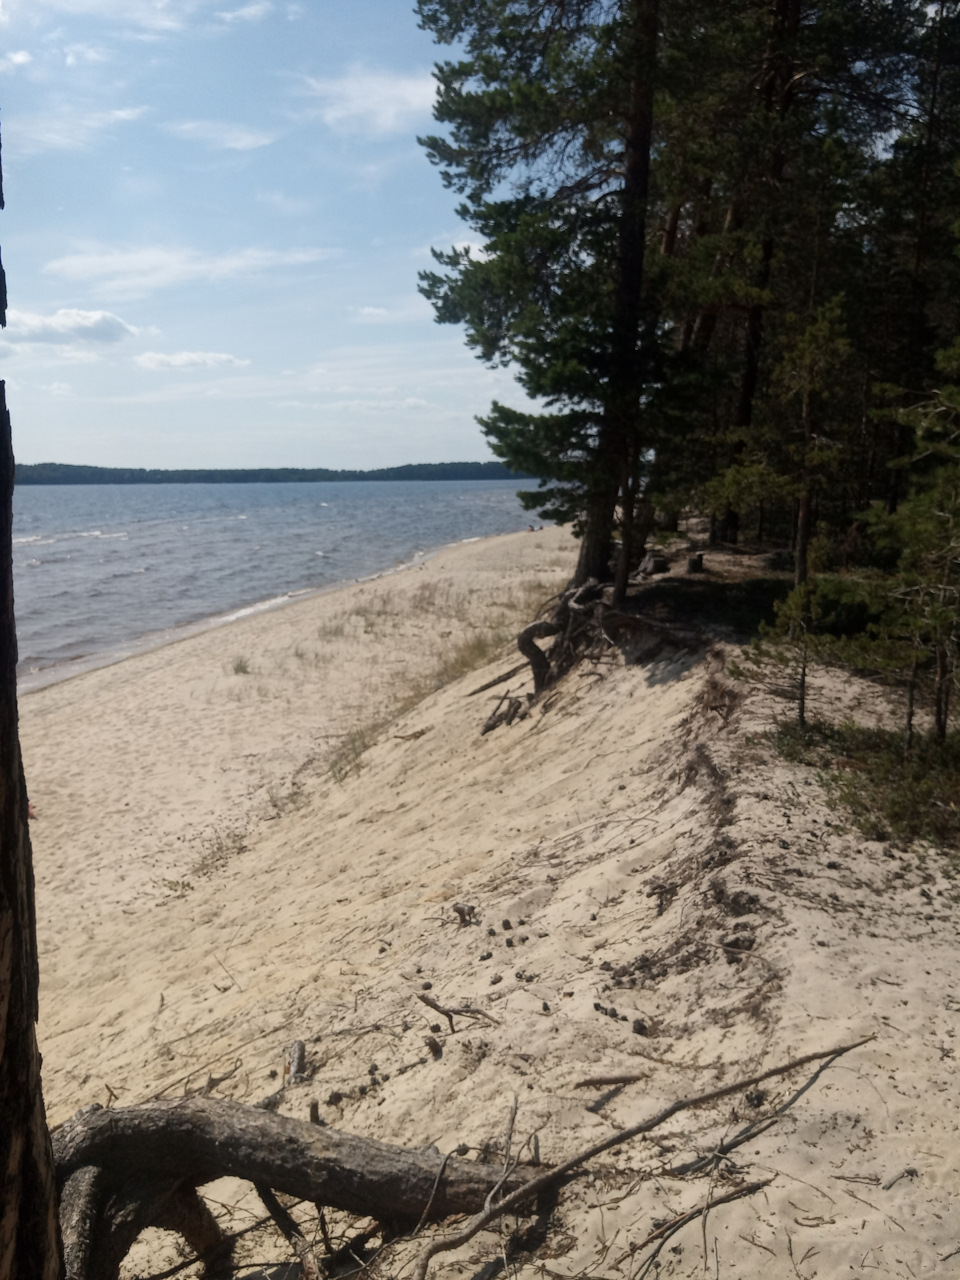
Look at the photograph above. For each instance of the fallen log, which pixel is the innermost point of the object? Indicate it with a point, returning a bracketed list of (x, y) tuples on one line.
[(200, 1139)]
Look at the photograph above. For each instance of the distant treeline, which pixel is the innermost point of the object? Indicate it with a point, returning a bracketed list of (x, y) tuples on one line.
[(63, 473)]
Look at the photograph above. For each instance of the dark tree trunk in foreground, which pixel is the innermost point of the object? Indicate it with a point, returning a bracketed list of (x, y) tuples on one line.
[(29, 1236)]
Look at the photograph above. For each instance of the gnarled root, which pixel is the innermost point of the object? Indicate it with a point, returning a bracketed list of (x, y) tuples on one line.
[(126, 1169)]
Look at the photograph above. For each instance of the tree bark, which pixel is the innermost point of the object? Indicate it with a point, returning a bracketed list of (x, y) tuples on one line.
[(627, 374), (594, 558), (29, 1235), (201, 1139)]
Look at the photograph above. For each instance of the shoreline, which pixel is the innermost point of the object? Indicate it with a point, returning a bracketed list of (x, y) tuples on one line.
[(151, 774), (33, 680)]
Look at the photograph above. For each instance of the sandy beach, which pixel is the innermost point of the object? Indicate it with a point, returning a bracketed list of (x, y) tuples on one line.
[(255, 835)]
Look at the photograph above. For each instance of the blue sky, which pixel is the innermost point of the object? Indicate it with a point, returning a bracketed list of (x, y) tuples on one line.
[(215, 217)]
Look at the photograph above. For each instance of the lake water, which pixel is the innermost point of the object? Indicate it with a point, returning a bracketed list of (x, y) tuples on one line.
[(105, 570)]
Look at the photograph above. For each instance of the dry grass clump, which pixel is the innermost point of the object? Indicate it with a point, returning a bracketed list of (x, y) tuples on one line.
[(466, 629), (346, 757), (218, 849), (475, 651)]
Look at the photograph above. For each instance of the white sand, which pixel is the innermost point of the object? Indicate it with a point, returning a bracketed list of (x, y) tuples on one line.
[(208, 892)]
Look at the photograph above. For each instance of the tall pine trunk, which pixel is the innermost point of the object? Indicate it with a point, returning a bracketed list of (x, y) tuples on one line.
[(595, 540), (29, 1229), (29, 1232), (626, 356)]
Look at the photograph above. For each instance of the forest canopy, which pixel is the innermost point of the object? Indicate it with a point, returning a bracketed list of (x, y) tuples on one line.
[(718, 244)]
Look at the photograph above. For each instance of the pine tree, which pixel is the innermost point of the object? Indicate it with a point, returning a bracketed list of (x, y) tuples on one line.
[(551, 116)]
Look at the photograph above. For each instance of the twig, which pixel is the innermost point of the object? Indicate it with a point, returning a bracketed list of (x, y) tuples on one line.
[(290, 1230), (742, 1084), (228, 973), (889, 1218), (436, 1183), (752, 1130), (442, 1244), (514, 671), (227, 1240), (508, 1135), (449, 1014), (757, 1245), (663, 1234), (214, 1082)]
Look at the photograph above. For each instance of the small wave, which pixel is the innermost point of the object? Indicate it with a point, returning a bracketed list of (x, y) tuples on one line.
[(37, 538), (261, 607), (98, 533)]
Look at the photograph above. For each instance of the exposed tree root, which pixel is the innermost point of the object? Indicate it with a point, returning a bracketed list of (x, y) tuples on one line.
[(585, 624), (122, 1171)]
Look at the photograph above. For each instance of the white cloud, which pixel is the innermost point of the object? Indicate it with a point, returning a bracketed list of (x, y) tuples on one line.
[(74, 54), (20, 58), (415, 308), (372, 102), (131, 272), (187, 360), (67, 130), (66, 326), (248, 13), (224, 137), (151, 15)]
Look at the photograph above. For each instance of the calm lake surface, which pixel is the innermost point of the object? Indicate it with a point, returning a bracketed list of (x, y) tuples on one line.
[(109, 569)]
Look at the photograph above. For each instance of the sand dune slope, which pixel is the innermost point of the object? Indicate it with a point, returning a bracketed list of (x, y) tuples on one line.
[(655, 893)]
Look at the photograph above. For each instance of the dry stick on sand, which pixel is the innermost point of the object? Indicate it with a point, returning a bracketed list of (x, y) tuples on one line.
[(742, 1084), (490, 1213), (749, 1132), (663, 1234), (449, 1014)]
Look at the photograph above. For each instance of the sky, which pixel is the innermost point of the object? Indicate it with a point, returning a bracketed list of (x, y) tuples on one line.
[(215, 216)]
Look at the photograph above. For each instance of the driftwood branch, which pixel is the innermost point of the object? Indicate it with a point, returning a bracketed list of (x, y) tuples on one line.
[(205, 1138), (443, 1244), (739, 1084)]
